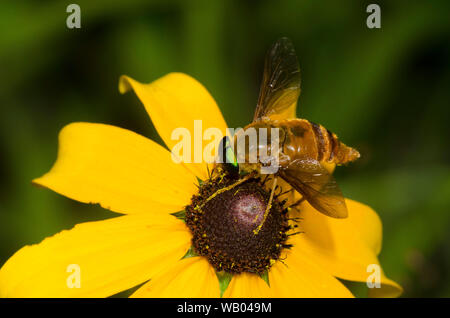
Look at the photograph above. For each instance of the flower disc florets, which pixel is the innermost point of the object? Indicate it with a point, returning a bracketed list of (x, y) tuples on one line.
[(233, 226)]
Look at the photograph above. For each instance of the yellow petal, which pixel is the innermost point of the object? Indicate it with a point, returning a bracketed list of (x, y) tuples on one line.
[(119, 169), (191, 277), (110, 256), (300, 277), (175, 101), (248, 285), (344, 247)]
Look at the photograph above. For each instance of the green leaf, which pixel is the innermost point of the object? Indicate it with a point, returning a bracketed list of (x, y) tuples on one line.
[(265, 277), (224, 280), (190, 253), (181, 215)]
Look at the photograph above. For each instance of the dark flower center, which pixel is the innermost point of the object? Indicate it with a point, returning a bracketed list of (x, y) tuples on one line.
[(231, 228)]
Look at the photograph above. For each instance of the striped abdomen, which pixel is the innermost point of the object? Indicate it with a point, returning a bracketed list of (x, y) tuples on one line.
[(304, 139)]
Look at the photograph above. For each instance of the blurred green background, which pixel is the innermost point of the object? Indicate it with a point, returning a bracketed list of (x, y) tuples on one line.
[(384, 91)]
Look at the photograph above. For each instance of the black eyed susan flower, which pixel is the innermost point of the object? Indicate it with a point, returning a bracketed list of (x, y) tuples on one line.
[(199, 256)]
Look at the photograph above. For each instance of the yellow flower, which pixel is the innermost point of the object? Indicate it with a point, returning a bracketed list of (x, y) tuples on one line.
[(132, 175)]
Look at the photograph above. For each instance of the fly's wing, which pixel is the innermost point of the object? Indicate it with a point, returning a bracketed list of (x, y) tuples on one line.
[(316, 185), (280, 87)]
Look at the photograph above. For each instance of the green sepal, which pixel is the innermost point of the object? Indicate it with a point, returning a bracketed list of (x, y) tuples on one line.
[(265, 277), (200, 181), (224, 280), (181, 215), (190, 253)]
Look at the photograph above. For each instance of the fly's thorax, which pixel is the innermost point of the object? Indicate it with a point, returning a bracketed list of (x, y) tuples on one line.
[(258, 147)]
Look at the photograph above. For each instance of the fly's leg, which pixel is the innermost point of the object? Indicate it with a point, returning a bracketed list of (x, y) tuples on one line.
[(269, 206), (240, 181)]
